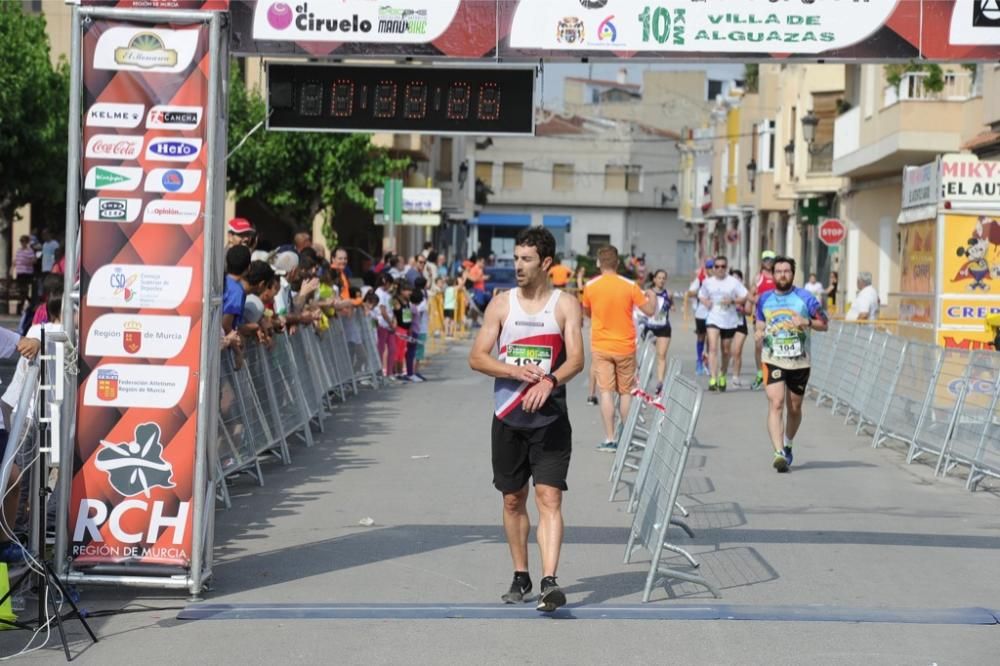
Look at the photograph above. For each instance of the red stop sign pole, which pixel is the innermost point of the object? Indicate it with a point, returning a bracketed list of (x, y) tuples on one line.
[(832, 232)]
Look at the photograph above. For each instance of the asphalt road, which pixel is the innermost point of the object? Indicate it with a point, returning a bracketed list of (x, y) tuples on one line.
[(852, 535)]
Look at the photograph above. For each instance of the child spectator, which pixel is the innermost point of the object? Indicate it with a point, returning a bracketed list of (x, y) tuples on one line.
[(235, 287), (404, 320), (386, 324), (418, 331), (450, 299)]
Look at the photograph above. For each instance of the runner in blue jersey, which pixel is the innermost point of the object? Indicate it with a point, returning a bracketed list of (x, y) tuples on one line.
[(785, 316)]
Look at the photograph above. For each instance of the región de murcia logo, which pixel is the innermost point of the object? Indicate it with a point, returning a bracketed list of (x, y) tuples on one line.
[(138, 466)]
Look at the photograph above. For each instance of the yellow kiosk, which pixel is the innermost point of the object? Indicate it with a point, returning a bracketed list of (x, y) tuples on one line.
[(950, 251)]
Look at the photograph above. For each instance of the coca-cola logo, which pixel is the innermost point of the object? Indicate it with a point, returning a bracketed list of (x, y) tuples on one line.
[(114, 146)]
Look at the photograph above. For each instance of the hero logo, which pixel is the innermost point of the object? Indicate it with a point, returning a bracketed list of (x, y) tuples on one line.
[(108, 209), (114, 147), (104, 114), (133, 468), (173, 150), (174, 117)]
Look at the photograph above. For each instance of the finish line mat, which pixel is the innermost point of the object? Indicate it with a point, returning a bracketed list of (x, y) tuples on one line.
[(792, 613)]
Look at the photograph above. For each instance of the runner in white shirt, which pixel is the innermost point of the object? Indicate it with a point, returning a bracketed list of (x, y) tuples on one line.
[(700, 313), (721, 293)]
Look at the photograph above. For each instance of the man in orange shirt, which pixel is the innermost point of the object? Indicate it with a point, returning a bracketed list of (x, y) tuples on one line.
[(608, 300), (559, 275)]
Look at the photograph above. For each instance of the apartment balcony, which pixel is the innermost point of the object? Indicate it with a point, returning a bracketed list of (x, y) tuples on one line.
[(912, 126)]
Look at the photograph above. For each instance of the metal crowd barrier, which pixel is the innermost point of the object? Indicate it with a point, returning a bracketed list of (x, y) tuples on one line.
[(658, 495), (628, 442), (943, 404), (281, 391)]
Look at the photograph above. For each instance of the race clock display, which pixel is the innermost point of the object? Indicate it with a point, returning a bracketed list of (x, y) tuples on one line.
[(439, 100)]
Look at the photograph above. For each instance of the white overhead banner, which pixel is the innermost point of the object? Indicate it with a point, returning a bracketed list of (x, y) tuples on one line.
[(748, 26)]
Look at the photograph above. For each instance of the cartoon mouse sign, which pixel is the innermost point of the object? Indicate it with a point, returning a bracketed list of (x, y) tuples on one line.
[(972, 253)]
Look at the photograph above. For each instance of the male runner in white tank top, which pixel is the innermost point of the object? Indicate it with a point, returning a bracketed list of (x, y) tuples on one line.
[(537, 333)]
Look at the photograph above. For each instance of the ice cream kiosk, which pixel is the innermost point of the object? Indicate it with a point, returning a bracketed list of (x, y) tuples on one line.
[(950, 251)]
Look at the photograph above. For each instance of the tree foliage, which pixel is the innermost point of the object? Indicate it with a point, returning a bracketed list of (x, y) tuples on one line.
[(34, 97), (300, 174)]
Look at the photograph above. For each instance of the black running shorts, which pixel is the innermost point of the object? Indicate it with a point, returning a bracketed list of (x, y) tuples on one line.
[(795, 380), (541, 454), (661, 332), (724, 333), (699, 326)]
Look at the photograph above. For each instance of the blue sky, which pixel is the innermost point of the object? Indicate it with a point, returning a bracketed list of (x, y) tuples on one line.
[(554, 74)]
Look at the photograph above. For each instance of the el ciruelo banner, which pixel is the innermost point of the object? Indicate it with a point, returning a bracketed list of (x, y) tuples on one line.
[(520, 30), (145, 154)]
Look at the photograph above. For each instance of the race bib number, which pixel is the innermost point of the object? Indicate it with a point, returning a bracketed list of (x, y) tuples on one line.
[(407, 316), (539, 355), (787, 347), (658, 320)]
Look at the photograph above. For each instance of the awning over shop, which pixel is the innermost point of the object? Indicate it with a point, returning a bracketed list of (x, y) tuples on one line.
[(502, 219), (556, 221)]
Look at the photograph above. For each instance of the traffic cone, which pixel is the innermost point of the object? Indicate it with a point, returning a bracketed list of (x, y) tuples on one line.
[(6, 612)]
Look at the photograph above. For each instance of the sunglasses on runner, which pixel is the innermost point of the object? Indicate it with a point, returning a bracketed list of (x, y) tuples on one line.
[(721, 266)]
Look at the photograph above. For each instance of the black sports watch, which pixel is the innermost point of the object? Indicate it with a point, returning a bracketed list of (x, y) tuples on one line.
[(552, 378)]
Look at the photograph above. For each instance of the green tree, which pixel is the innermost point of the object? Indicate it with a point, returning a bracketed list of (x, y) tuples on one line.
[(34, 97), (300, 174)]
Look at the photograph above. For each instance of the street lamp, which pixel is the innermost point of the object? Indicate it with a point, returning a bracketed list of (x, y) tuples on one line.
[(809, 123), (752, 173)]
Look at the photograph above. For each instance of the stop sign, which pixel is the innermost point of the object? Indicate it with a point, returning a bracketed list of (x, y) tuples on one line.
[(832, 232)]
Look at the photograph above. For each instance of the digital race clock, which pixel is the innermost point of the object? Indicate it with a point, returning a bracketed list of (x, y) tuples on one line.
[(438, 100)]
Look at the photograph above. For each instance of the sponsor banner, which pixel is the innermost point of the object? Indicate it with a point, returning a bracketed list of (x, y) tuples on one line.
[(137, 336), (970, 340), (146, 386), (975, 22), (109, 114), (139, 286), (971, 255), (918, 265), (141, 293), (172, 149), (139, 516), (112, 209), (968, 311), (524, 30), (169, 117), (359, 21), (179, 181), (119, 179), (967, 179), (145, 50), (114, 147), (171, 211), (711, 25)]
